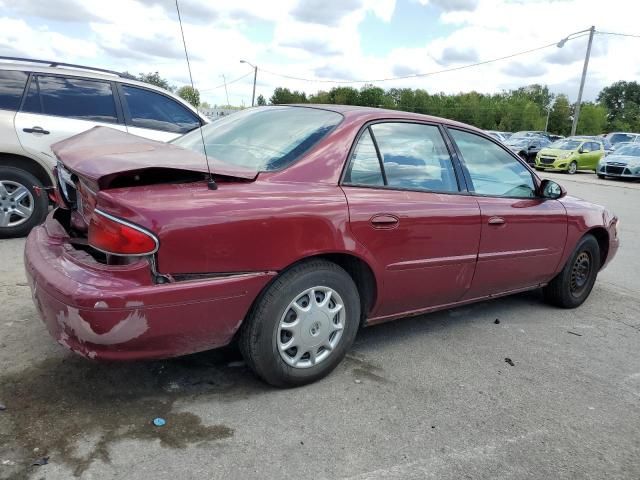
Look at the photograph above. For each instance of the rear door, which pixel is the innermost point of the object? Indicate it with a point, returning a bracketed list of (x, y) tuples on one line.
[(156, 116), (56, 107), (407, 208), (523, 236)]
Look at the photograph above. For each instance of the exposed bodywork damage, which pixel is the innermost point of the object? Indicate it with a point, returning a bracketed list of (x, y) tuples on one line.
[(132, 326)]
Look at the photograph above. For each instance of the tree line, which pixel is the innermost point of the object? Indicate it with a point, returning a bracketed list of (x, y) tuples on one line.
[(532, 107)]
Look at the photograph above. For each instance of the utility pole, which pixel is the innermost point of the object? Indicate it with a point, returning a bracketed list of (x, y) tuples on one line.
[(255, 76), (225, 88), (576, 114)]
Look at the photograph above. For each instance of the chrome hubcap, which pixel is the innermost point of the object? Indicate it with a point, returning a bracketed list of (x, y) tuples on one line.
[(16, 204), (572, 168), (311, 327), (580, 273)]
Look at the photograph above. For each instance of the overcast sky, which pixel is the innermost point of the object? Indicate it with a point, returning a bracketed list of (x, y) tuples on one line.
[(332, 40)]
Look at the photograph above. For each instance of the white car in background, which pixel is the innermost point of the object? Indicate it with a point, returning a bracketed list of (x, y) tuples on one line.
[(44, 102)]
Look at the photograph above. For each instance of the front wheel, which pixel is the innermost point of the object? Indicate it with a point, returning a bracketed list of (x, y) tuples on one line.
[(573, 284), (573, 168), (303, 324), (21, 207), (600, 176)]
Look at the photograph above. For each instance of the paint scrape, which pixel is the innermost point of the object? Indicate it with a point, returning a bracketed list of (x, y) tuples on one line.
[(134, 325)]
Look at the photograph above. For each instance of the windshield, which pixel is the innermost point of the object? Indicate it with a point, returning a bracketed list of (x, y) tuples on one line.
[(630, 150), (518, 142), (565, 144), (621, 137), (264, 138)]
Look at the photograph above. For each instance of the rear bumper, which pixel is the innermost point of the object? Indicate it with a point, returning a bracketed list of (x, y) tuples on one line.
[(117, 313)]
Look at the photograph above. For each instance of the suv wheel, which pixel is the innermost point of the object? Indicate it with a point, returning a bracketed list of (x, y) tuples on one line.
[(303, 324), (21, 208)]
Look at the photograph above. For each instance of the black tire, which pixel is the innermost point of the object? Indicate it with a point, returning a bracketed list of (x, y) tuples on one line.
[(568, 289), (601, 177), (258, 334), (40, 202)]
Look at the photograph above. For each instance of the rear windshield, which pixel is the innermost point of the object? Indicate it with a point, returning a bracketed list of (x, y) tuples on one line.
[(565, 144), (11, 88), (264, 138)]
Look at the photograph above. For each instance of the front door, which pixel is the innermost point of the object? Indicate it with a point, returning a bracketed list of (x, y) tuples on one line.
[(57, 107), (523, 235), (407, 210)]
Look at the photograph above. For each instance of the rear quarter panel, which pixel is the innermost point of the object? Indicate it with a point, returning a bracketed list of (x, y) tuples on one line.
[(241, 227)]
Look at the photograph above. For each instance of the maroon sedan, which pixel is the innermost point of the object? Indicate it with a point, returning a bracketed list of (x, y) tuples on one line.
[(321, 219)]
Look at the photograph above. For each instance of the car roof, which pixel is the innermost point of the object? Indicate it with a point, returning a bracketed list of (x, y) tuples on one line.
[(355, 112), (87, 72)]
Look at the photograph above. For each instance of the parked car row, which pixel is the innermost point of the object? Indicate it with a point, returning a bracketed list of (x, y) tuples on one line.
[(43, 102)]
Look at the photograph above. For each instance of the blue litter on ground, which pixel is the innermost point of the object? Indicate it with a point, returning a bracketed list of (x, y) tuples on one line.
[(159, 422)]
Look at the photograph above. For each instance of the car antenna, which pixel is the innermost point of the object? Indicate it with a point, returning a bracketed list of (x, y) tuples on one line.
[(211, 184)]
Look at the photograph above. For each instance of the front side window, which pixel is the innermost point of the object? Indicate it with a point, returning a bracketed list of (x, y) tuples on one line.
[(263, 138), (90, 100), (493, 171), (11, 88), (147, 109)]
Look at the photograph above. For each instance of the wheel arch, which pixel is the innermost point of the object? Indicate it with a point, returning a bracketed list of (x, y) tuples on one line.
[(27, 164), (602, 236)]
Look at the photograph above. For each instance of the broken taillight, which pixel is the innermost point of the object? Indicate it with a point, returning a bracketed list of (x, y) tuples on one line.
[(115, 236)]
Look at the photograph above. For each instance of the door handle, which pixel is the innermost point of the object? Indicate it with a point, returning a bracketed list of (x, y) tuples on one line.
[(36, 130), (384, 221), (496, 221)]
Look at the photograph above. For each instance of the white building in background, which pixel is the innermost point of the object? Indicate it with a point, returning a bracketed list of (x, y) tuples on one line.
[(215, 113)]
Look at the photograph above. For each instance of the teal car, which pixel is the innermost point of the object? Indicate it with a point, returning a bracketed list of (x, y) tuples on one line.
[(570, 155)]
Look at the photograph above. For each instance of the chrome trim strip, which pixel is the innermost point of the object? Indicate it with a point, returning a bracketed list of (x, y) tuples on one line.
[(131, 225)]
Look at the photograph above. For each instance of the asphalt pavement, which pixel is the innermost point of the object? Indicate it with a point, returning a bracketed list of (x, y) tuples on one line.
[(427, 397)]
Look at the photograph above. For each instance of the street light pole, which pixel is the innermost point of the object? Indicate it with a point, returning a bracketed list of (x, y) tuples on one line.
[(255, 76), (561, 44), (576, 115)]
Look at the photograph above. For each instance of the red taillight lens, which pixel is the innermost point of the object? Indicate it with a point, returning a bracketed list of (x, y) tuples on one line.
[(115, 236)]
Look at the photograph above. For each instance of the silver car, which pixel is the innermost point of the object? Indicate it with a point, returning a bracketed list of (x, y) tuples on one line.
[(624, 162)]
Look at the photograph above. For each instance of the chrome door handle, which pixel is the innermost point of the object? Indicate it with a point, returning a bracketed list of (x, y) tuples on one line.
[(36, 130), (496, 221)]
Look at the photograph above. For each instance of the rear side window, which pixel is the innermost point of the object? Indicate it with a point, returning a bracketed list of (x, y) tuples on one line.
[(11, 88), (147, 109), (90, 100), (414, 157)]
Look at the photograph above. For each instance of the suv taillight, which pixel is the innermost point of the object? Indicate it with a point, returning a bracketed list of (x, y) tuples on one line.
[(118, 237)]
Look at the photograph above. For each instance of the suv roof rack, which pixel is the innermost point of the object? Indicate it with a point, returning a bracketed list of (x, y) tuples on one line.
[(51, 63)]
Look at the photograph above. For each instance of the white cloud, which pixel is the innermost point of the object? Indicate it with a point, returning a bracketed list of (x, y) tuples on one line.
[(322, 40)]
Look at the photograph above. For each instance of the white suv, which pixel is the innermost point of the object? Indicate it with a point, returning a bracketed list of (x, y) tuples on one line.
[(43, 102)]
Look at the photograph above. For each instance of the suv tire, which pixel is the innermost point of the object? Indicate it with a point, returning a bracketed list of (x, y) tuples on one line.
[(23, 202)]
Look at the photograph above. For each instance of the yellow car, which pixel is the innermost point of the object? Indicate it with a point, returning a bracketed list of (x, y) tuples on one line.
[(570, 155)]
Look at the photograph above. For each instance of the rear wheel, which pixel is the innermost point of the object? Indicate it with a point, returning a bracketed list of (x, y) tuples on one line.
[(302, 325), (21, 208), (600, 176), (573, 284), (572, 168)]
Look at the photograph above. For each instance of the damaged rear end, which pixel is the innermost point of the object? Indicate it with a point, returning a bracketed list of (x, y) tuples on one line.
[(92, 266)]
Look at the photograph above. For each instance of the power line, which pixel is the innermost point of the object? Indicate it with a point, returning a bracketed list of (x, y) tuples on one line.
[(418, 75), (618, 34), (228, 83)]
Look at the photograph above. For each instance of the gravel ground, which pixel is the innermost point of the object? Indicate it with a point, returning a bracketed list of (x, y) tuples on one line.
[(427, 397)]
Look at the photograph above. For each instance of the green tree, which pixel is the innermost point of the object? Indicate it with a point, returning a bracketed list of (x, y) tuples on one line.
[(371, 96), (261, 101), (154, 78), (622, 101), (283, 96), (320, 97), (593, 119), (190, 94), (205, 105), (344, 96), (560, 116)]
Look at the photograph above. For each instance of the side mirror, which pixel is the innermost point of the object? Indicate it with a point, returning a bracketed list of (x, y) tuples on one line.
[(551, 190), (582, 150)]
